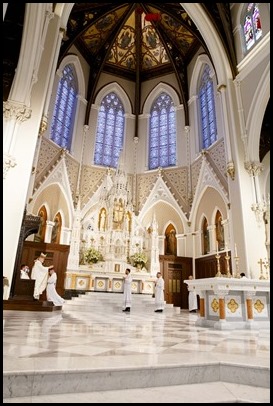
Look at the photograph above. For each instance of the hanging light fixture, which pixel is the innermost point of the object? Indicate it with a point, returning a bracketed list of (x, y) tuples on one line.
[(153, 17)]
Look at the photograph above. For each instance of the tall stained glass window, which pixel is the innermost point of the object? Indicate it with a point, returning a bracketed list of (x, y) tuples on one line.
[(252, 25), (207, 108), (110, 131), (162, 137), (65, 106)]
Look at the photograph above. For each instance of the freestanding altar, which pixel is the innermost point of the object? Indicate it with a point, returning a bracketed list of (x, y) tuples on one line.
[(232, 303)]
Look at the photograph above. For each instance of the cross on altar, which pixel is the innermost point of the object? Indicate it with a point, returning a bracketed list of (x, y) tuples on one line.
[(261, 262)]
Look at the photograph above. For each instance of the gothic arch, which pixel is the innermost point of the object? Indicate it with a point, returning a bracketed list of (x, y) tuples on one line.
[(74, 60), (256, 114), (161, 87), (120, 92), (201, 61)]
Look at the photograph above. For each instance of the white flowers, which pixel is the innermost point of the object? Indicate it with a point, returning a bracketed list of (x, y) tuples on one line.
[(139, 258), (92, 256)]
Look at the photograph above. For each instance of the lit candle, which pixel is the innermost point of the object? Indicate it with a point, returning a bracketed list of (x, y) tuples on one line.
[(216, 247), (235, 249)]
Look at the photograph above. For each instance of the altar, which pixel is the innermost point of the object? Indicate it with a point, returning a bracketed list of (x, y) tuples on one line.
[(232, 303), (98, 279)]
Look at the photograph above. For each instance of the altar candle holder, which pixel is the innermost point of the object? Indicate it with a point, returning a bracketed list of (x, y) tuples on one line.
[(227, 258), (218, 275), (237, 272)]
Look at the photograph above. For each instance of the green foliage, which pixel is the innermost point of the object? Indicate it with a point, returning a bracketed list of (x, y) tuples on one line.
[(138, 258), (92, 256)]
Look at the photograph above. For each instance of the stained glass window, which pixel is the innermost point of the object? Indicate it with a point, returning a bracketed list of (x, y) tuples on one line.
[(162, 137), (65, 107), (252, 27), (207, 109), (110, 131)]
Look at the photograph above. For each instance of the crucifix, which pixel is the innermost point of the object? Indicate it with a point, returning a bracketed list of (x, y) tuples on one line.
[(261, 263)]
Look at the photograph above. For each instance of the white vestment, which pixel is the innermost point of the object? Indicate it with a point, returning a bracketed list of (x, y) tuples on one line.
[(40, 274), (127, 294), (192, 301), (159, 294), (24, 274), (51, 294)]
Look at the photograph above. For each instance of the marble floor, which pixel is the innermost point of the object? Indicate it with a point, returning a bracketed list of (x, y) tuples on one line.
[(101, 354)]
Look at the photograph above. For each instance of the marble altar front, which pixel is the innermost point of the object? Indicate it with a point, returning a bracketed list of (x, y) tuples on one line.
[(231, 303)]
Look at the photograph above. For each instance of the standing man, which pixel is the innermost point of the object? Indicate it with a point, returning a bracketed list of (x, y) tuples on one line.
[(127, 294), (40, 274), (159, 293), (193, 306)]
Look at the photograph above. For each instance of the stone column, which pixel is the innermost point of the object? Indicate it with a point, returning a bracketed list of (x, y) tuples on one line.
[(48, 232), (202, 304), (221, 324)]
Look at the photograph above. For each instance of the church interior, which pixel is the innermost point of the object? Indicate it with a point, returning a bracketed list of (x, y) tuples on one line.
[(136, 136)]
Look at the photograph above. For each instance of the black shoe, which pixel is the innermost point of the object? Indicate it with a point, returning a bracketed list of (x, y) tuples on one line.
[(158, 311), (128, 309)]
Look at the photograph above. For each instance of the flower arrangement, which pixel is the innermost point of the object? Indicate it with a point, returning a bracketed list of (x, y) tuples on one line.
[(139, 258), (92, 256)]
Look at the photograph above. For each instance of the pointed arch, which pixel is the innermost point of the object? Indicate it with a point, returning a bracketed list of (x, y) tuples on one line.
[(170, 240), (205, 236), (56, 230), (114, 87), (160, 88), (43, 214)]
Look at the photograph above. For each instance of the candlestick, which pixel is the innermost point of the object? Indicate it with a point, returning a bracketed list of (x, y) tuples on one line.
[(227, 258), (218, 274), (235, 250)]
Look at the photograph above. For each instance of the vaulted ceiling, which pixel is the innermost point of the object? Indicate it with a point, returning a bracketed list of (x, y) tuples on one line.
[(139, 41), (136, 41)]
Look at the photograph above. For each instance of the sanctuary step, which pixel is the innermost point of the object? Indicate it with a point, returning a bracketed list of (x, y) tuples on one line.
[(37, 383), (212, 392), (114, 301), (30, 305)]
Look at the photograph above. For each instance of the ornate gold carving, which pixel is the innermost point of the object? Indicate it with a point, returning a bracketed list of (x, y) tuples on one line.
[(259, 306), (215, 305), (232, 305), (231, 170)]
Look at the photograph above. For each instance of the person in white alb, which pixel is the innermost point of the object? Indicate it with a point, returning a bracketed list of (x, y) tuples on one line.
[(40, 274), (51, 293), (24, 272), (159, 293), (193, 306), (127, 292)]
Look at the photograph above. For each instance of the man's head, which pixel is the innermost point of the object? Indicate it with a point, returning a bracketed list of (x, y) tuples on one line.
[(25, 268), (42, 257), (158, 274), (127, 271)]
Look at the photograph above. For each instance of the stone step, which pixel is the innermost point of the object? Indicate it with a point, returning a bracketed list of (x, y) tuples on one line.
[(97, 300), (36, 383), (212, 392)]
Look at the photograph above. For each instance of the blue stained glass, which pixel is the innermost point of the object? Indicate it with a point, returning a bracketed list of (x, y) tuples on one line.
[(110, 133), (162, 135), (64, 109), (207, 109)]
